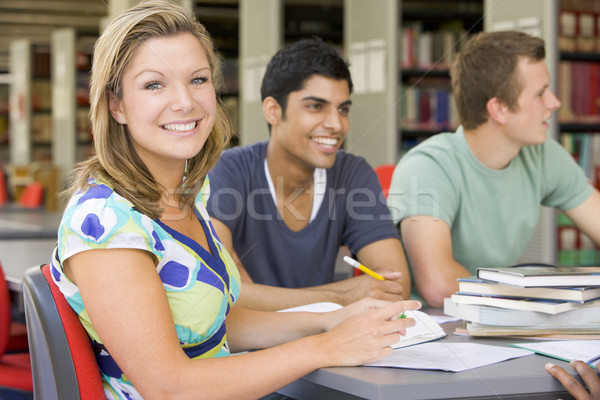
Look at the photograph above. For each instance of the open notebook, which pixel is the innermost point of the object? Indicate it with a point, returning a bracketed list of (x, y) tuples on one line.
[(425, 329)]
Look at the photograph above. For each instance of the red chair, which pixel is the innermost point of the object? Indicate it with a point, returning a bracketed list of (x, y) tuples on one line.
[(17, 341), (384, 173), (17, 338), (63, 362), (15, 368), (32, 196), (3, 189)]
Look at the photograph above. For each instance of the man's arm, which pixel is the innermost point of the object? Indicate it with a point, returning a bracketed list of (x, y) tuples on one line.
[(429, 248), (272, 298), (586, 216), (385, 256)]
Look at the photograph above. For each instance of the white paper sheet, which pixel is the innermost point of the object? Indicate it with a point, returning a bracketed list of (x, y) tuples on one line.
[(453, 357), (359, 67), (376, 69), (587, 351), (442, 319)]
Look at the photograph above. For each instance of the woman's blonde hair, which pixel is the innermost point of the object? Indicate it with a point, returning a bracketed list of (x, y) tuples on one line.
[(116, 160)]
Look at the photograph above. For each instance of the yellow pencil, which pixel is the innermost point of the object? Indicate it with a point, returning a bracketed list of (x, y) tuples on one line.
[(362, 268)]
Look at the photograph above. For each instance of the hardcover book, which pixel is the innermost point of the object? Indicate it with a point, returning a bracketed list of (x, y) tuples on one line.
[(545, 306), (536, 275), (587, 332), (587, 315), (579, 294)]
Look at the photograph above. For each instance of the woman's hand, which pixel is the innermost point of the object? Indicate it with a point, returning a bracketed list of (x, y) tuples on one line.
[(573, 386), (366, 335), (334, 318)]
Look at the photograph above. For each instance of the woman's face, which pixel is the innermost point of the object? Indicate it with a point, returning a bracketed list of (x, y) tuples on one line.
[(168, 100)]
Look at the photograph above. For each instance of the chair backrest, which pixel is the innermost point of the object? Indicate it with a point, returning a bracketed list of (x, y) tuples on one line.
[(62, 359), (5, 313), (384, 173), (32, 196), (3, 188)]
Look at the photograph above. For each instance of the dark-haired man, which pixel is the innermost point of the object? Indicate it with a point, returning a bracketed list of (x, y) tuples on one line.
[(284, 207)]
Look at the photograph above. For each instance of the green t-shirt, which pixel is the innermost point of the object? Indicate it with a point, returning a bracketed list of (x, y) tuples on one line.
[(491, 213)]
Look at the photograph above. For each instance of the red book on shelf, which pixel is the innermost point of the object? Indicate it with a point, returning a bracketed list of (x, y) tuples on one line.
[(593, 85), (407, 47), (568, 238), (424, 107), (579, 86), (597, 176), (583, 88)]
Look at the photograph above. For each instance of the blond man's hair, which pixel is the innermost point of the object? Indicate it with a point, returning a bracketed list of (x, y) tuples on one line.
[(486, 68)]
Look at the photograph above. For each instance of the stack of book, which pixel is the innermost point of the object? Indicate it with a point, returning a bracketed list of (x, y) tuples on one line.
[(529, 300)]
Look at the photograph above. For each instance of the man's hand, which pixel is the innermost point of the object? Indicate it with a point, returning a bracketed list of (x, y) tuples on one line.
[(365, 286), (573, 386)]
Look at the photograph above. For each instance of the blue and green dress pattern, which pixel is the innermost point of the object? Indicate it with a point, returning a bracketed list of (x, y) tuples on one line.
[(200, 287)]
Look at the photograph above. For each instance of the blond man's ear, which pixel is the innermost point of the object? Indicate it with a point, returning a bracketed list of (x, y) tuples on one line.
[(497, 110)]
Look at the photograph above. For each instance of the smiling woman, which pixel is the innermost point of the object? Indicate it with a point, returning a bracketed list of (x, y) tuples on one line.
[(111, 141), (168, 103), (137, 257)]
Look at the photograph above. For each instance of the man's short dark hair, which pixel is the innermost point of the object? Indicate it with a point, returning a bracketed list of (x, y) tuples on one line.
[(295, 63)]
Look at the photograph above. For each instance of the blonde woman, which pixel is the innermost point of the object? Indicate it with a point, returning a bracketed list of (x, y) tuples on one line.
[(137, 257)]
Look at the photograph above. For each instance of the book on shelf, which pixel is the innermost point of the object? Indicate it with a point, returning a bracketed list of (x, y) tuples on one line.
[(567, 30), (579, 294), (586, 40), (578, 26), (424, 330), (425, 50), (587, 315), (427, 105), (578, 85), (535, 275), (544, 306)]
